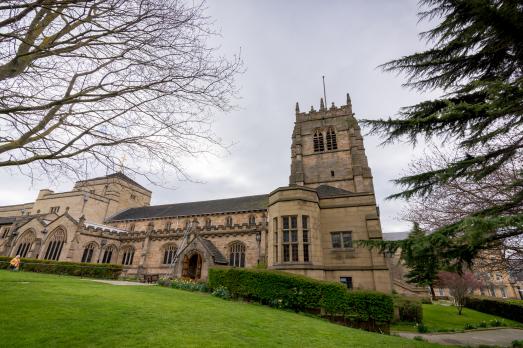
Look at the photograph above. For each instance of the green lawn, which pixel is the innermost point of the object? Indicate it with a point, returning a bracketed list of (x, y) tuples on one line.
[(41, 310), (445, 318)]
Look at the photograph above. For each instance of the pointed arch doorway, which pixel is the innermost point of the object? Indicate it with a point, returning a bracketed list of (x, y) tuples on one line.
[(192, 266)]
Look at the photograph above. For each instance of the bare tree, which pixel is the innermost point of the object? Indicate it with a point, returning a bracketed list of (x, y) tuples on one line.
[(459, 285), (87, 82), (453, 201)]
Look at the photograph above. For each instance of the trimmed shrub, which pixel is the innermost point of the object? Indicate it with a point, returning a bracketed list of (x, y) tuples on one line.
[(409, 308), (421, 328), (90, 270), (503, 308), (299, 293)]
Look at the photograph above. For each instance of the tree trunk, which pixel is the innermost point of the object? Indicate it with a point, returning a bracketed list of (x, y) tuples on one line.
[(432, 293)]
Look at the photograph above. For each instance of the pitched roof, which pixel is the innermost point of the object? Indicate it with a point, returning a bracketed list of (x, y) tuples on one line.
[(117, 175), (325, 191), (213, 250), (228, 205)]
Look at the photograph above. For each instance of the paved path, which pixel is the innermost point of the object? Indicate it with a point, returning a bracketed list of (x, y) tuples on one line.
[(121, 282), (492, 337)]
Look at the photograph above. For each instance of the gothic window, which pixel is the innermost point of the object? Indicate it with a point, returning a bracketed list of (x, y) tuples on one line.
[(341, 240), (318, 141), (208, 223), (252, 220), (290, 238), (128, 255), (55, 245), (6, 232), (88, 252), (54, 210), (503, 292), (169, 252), (132, 227), (237, 254), (25, 244), (108, 254), (228, 221), (305, 237), (331, 139)]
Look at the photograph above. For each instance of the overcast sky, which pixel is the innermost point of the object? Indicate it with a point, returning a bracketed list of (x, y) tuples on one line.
[(287, 46)]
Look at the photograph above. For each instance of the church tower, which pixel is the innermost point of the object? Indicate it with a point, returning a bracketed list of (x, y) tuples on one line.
[(327, 149)]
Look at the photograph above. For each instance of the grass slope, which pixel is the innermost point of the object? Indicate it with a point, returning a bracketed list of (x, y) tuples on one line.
[(445, 318), (50, 311)]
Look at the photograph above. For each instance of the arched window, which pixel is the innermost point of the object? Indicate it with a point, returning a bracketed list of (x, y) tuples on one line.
[(55, 245), (88, 252), (208, 223), (318, 141), (128, 255), (237, 254), (26, 241), (108, 253), (228, 221), (169, 252), (332, 144), (168, 225), (252, 220), (132, 227)]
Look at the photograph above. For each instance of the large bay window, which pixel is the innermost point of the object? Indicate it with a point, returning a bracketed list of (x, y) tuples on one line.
[(295, 239)]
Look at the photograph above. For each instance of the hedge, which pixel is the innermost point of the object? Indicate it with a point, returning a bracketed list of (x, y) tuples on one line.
[(285, 290), (409, 308), (91, 270), (503, 308)]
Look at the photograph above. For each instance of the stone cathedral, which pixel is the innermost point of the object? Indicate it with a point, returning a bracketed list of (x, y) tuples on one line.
[(309, 227)]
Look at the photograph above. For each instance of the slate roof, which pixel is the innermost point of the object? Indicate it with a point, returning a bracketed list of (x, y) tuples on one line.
[(325, 191), (213, 250), (228, 205), (118, 175), (7, 220)]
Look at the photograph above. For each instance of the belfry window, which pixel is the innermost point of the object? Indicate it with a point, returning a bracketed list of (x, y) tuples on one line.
[(237, 254), (319, 145), (169, 253), (88, 252), (55, 245), (128, 255), (332, 144)]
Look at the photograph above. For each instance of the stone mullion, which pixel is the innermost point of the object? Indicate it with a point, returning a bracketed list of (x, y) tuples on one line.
[(300, 238)]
